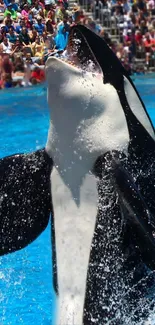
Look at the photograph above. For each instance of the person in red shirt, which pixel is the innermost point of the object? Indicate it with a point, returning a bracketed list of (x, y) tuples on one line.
[(37, 75), (138, 37), (149, 45), (148, 42)]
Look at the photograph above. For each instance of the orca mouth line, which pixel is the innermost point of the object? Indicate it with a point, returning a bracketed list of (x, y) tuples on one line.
[(80, 55)]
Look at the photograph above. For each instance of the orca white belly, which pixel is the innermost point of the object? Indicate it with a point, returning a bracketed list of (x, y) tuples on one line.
[(74, 223)]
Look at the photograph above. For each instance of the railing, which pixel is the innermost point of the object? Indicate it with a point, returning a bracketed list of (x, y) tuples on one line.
[(103, 16)]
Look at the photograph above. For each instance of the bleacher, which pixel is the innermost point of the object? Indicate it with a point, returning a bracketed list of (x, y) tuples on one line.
[(103, 16)]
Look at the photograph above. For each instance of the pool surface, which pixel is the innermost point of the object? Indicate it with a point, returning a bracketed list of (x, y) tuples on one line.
[(26, 292)]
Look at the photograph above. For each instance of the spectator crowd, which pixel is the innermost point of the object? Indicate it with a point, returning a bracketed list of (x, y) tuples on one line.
[(32, 30), (134, 23)]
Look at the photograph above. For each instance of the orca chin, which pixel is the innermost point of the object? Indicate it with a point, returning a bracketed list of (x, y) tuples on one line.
[(96, 176)]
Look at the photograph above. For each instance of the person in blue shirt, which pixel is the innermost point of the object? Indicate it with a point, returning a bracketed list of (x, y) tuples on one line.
[(39, 27), (61, 39), (14, 5), (12, 36), (21, 24), (8, 23), (6, 2)]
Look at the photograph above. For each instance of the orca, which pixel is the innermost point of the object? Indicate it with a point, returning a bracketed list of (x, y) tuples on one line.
[(95, 176)]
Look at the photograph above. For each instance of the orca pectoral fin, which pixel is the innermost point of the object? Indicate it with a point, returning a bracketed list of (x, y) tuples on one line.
[(137, 212), (25, 202)]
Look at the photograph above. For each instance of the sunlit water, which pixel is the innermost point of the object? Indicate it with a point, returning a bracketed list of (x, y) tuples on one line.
[(26, 292)]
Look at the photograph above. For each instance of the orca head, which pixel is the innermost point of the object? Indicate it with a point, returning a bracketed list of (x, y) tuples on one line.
[(83, 59), (88, 46), (92, 72), (82, 106), (74, 80), (69, 76), (92, 50)]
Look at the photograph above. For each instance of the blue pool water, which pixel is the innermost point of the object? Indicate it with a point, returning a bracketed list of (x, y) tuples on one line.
[(26, 293)]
